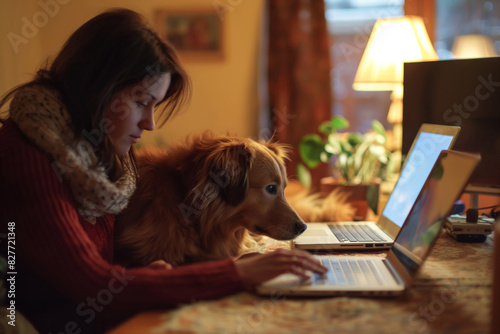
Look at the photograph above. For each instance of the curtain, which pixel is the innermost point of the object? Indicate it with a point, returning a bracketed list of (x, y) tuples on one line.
[(299, 87)]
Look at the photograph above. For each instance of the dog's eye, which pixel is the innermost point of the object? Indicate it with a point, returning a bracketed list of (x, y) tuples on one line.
[(272, 189)]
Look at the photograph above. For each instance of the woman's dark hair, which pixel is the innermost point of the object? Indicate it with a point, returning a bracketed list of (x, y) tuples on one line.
[(111, 51)]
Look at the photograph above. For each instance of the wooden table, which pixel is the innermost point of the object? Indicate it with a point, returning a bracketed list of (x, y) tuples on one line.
[(452, 294)]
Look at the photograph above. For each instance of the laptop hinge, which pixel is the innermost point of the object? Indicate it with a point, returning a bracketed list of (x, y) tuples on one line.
[(393, 272)]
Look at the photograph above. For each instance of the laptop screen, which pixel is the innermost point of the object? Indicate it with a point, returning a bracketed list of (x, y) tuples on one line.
[(443, 186), (418, 165)]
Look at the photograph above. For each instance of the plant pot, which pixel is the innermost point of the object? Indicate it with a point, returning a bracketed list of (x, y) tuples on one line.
[(363, 197)]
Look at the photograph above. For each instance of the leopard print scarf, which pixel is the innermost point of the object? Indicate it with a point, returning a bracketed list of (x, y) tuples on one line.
[(41, 116)]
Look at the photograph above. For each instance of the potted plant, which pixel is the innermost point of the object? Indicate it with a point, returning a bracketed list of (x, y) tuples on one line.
[(360, 161)]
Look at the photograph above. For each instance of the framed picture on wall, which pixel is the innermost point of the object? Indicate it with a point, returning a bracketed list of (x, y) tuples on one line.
[(195, 34)]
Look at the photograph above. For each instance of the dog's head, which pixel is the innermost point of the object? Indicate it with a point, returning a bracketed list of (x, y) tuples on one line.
[(247, 178)]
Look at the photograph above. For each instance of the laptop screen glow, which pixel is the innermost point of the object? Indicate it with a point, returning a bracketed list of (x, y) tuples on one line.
[(415, 171), (445, 182)]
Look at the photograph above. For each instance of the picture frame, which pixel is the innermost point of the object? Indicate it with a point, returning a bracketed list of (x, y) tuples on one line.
[(196, 34)]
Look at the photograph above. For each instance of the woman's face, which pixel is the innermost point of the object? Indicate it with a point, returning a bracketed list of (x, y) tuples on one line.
[(131, 111)]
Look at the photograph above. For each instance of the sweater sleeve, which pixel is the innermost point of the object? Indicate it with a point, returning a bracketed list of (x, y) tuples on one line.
[(51, 240)]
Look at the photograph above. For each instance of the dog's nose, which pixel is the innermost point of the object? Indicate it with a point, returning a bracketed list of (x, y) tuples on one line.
[(300, 227)]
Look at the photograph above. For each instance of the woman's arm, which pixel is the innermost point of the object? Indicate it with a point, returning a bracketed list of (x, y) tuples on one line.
[(51, 240)]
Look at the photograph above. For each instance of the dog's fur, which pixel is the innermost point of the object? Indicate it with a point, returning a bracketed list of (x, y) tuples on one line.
[(199, 200), (317, 208)]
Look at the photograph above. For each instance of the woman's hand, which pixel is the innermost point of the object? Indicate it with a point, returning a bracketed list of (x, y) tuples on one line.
[(260, 268)]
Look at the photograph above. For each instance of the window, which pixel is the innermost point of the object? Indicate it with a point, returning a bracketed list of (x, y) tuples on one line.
[(465, 17), (350, 23)]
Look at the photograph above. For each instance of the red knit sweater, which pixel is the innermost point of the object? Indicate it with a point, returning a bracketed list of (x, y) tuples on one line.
[(65, 276)]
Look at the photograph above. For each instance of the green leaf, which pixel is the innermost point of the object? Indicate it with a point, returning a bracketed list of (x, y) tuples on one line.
[(381, 140), (304, 175), (333, 144), (310, 149), (378, 127), (354, 139), (359, 155), (379, 152), (343, 166), (339, 123), (325, 128)]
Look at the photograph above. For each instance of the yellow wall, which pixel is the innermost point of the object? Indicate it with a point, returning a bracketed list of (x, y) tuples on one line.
[(17, 64), (224, 92)]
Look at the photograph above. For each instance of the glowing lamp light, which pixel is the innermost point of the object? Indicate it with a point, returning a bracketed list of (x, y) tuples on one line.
[(473, 46)]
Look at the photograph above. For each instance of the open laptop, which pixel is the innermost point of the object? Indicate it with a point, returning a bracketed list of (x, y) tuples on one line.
[(374, 275), (430, 140)]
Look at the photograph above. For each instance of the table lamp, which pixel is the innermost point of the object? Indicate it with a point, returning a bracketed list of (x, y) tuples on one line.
[(473, 46), (392, 42)]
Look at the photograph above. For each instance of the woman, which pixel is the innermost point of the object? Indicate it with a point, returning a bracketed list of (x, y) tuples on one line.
[(67, 167)]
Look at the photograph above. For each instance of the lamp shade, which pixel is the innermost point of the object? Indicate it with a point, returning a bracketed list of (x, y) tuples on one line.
[(473, 46), (392, 42)]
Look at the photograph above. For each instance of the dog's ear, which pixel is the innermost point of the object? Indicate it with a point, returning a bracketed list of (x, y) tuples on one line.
[(281, 150), (230, 165)]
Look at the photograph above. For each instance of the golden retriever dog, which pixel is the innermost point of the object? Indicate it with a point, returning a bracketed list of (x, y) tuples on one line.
[(200, 200)]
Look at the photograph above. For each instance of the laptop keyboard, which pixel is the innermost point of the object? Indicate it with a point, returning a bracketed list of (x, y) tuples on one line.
[(349, 272), (355, 232)]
